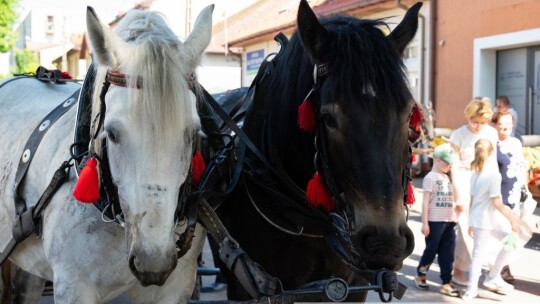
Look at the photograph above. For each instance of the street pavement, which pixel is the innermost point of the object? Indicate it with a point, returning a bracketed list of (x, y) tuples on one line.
[(526, 270)]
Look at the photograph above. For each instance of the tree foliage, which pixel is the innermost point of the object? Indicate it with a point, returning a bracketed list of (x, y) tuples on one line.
[(8, 16), (26, 61)]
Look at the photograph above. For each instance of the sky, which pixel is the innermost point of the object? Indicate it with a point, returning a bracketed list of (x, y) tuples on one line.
[(108, 9)]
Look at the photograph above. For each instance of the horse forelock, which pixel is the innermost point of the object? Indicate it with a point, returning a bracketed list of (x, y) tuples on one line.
[(363, 62), (156, 56)]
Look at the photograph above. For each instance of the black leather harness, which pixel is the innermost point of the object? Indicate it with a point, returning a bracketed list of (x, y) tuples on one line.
[(308, 220), (28, 218)]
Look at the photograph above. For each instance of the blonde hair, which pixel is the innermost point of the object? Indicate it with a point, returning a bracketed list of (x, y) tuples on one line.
[(479, 107), (482, 149)]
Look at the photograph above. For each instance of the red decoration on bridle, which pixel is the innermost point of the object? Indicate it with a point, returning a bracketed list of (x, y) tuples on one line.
[(416, 117), (306, 114), (317, 193), (197, 167), (414, 123), (87, 188)]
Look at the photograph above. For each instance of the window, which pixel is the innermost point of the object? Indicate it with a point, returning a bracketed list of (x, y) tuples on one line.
[(50, 25), (411, 52)]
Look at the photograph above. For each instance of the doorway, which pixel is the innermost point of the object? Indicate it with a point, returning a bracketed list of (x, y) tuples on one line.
[(518, 77)]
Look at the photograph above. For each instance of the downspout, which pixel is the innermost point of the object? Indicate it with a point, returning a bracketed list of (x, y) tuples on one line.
[(422, 35), (432, 51), (424, 163)]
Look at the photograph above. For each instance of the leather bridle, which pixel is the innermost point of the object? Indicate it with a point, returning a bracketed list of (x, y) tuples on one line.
[(343, 223), (109, 203)]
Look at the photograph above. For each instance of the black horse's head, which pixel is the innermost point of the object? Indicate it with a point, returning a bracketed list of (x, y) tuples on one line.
[(362, 106)]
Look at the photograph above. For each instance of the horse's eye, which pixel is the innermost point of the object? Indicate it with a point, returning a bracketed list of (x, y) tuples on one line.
[(112, 137), (329, 120)]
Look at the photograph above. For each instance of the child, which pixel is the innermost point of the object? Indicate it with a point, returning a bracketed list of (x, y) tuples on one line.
[(485, 220), (439, 220)]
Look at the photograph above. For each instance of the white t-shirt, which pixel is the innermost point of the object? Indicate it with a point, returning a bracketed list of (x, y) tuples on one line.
[(465, 140), (441, 203), (485, 185), (461, 171)]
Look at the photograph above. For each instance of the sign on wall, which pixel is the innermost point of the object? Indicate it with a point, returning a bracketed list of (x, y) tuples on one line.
[(253, 61)]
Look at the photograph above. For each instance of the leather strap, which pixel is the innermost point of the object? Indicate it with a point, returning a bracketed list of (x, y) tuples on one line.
[(33, 143), (28, 221), (253, 278)]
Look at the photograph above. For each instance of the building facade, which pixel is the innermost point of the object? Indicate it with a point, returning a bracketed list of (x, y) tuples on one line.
[(251, 32), (487, 48)]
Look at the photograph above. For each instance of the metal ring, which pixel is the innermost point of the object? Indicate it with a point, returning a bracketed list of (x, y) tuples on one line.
[(69, 102), (26, 155), (44, 125)]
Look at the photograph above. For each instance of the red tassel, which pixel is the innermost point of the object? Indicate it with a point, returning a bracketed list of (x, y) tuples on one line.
[(306, 116), (87, 187), (65, 75), (318, 195), (416, 116), (410, 194), (197, 167)]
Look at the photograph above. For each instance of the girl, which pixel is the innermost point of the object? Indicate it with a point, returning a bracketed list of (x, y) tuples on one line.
[(478, 112), (485, 220)]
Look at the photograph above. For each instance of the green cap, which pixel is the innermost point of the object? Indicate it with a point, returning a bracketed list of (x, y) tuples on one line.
[(446, 153)]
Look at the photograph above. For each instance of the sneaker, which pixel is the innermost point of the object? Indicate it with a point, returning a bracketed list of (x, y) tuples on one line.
[(449, 290), (469, 295), (497, 284), (420, 282)]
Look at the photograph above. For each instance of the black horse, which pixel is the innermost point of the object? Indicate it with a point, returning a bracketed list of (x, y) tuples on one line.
[(349, 147)]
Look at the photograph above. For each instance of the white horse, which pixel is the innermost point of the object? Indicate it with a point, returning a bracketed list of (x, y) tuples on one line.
[(150, 125)]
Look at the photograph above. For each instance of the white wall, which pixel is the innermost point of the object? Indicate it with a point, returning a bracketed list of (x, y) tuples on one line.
[(219, 73)]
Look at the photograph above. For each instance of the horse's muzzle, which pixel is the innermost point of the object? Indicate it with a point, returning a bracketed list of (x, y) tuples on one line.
[(384, 246), (151, 277)]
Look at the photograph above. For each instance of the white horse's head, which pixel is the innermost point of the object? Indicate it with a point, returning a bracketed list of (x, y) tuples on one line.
[(150, 126)]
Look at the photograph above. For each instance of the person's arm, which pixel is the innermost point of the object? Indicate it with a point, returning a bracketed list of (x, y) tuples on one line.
[(425, 213), (470, 208), (507, 212), (459, 204)]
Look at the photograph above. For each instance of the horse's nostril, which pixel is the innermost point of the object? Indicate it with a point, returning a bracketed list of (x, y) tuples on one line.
[(406, 232), (132, 264)]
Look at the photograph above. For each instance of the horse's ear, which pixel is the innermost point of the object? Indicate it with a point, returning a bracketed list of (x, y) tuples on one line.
[(199, 38), (314, 36), (406, 29), (104, 41)]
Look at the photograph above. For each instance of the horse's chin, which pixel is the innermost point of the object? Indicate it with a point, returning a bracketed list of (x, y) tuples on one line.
[(147, 278), (383, 261), (389, 266)]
